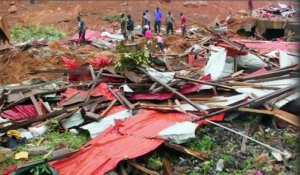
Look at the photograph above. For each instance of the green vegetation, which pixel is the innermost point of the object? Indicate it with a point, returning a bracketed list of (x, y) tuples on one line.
[(41, 169), (155, 162), (206, 167), (131, 59), (19, 33), (52, 139), (205, 144)]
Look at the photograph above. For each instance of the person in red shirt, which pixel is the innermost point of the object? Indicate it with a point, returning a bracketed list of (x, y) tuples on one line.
[(182, 24)]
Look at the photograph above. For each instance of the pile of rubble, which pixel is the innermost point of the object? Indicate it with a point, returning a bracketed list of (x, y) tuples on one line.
[(131, 113)]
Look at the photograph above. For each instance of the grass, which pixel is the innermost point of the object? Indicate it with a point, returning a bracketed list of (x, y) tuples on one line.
[(155, 162), (204, 144), (19, 33), (52, 139)]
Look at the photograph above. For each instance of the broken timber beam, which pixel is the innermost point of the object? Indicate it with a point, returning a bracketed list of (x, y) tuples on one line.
[(204, 82), (142, 168), (175, 92), (93, 86), (108, 108), (243, 147), (36, 105), (258, 100), (166, 166), (187, 151)]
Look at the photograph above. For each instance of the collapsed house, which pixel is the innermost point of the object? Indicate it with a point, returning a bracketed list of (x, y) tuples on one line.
[(133, 112)]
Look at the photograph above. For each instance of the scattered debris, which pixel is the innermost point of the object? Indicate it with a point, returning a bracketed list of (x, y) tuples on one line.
[(203, 105)]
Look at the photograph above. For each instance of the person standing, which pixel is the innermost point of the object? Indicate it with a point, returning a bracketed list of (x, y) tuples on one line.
[(147, 17), (250, 6), (160, 42), (123, 25), (183, 24), (81, 30), (157, 20), (130, 28), (169, 23)]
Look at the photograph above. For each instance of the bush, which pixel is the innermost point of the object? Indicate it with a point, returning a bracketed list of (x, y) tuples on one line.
[(19, 33), (131, 59)]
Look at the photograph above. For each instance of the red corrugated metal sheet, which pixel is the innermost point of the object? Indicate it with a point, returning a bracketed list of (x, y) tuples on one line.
[(187, 88), (104, 152), (100, 62), (151, 96), (269, 46), (20, 112), (193, 87), (115, 110), (149, 123), (231, 51), (129, 139), (101, 89)]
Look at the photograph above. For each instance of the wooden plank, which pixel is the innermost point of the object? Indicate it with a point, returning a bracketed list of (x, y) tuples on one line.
[(92, 72), (124, 99), (142, 168), (179, 105), (36, 105), (204, 82), (182, 149), (93, 115), (255, 101), (243, 147), (166, 166), (108, 108), (93, 86)]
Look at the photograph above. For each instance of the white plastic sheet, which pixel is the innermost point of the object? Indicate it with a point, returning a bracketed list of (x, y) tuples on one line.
[(277, 83), (179, 133), (216, 62), (96, 128), (75, 120), (286, 60), (164, 77), (250, 61)]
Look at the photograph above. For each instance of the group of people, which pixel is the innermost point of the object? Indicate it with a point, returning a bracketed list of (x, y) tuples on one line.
[(127, 26), (170, 23)]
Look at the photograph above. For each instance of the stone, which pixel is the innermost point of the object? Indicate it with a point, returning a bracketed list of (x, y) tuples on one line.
[(220, 165), (12, 9), (38, 150), (60, 152), (278, 156)]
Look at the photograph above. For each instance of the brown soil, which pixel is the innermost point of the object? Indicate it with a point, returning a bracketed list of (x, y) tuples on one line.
[(62, 15)]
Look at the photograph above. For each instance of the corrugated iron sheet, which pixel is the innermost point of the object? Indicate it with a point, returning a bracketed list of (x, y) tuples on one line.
[(19, 112), (103, 153), (127, 140)]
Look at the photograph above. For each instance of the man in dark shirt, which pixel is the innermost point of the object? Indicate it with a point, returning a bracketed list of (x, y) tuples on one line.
[(123, 25), (81, 30), (169, 23), (130, 27), (157, 20)]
